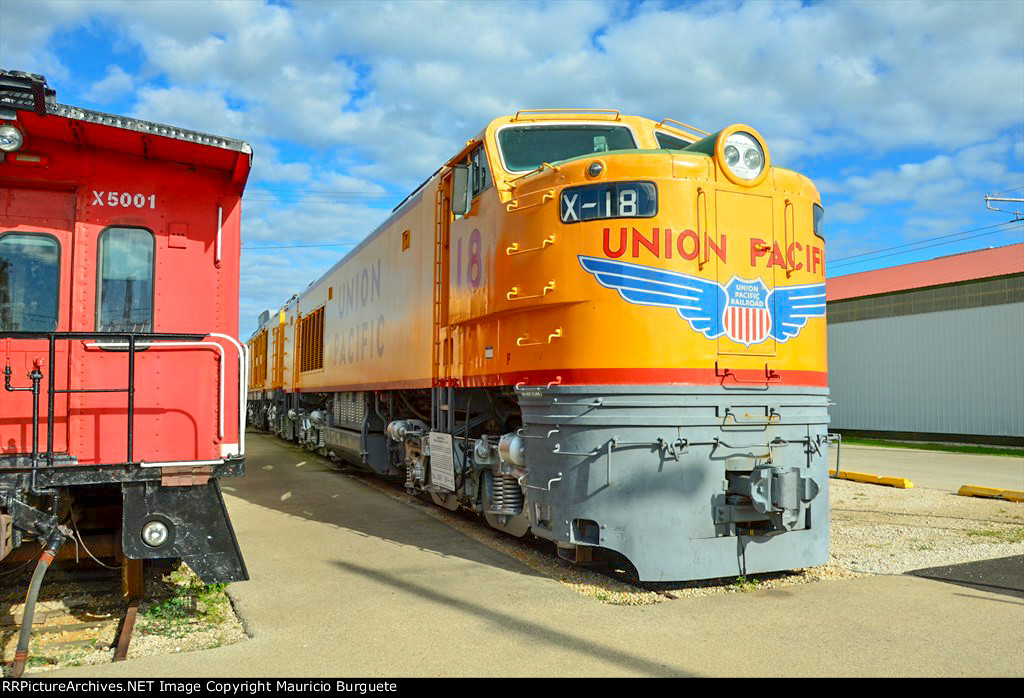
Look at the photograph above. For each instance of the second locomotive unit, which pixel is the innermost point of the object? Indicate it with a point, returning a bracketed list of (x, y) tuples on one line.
[(600, 329)]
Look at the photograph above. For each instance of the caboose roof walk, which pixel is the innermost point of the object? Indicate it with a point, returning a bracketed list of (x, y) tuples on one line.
[(967, 266), (25, 97)]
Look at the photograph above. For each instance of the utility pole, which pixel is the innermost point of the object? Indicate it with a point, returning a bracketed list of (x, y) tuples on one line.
[(1016, 214)]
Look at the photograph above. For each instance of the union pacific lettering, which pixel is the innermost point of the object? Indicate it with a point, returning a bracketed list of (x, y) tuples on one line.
[(360, 290), (361, 335), (814, 256), (686, 244)]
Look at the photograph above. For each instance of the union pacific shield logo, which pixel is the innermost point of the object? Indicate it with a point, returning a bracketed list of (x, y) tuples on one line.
[(747, 318), (745, 311)]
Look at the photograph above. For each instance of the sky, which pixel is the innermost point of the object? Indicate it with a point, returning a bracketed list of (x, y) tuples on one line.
[(904, 114)]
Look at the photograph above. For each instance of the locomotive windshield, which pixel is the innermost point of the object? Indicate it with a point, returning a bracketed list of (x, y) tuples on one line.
[(525, 148)]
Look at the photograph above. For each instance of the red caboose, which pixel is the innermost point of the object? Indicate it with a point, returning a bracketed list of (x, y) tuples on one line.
[(119, 267)]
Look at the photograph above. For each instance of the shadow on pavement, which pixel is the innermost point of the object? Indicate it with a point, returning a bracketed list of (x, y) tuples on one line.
[(285, 478), (516, 627), (1003, 575)]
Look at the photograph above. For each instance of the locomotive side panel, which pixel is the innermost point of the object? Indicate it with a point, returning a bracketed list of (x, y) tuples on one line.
[(377, 305)]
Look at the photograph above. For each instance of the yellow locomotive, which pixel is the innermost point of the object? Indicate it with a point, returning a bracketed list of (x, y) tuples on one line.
[(598, 328)]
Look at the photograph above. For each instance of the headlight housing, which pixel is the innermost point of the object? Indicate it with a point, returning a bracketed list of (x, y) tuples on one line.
[(155, 533), (10, 138), (742, 155)]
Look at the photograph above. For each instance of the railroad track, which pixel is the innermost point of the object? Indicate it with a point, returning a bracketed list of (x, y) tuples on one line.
[(78, 607)]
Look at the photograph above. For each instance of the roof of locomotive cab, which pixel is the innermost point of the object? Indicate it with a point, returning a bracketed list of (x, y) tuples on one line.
[(25, 98)]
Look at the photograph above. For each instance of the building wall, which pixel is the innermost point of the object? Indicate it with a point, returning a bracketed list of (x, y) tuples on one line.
[(942, 360)]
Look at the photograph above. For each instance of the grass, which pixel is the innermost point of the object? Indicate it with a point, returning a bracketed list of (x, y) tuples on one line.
[(744, 584), (927, 446), (999, 535), (189, 603)]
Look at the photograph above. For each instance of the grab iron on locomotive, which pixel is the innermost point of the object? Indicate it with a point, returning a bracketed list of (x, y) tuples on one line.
[(600, 329), (123, 401)]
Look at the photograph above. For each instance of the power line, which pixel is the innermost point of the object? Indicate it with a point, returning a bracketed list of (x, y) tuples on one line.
[(322, 191), (922, 240), (286, 247), (938, 244)]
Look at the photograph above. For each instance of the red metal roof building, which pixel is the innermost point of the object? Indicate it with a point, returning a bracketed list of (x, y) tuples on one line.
[(932, 350), (965, 266)]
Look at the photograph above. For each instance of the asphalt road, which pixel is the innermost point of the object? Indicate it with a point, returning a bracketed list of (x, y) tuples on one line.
[(933, 469), (349, 582)]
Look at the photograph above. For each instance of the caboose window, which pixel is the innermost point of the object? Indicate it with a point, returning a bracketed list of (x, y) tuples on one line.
[(525, 148), (125, 289), (29, 282)]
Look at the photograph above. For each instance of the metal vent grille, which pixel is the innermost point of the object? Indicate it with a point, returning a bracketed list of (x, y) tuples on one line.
[(258, 375), (277, 377), (311, 341), (349, 410)]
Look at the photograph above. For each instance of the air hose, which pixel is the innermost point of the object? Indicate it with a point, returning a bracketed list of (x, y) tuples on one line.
[(56, 539)]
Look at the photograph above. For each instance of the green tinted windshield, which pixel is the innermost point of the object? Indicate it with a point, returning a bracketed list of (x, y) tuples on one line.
[(525, 148)]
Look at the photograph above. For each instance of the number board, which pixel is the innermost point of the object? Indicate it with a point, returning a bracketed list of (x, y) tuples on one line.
[(609, 200)]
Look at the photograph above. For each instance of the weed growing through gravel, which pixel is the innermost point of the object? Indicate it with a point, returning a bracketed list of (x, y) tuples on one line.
[(999, 535), (744, 584), (190, 604)]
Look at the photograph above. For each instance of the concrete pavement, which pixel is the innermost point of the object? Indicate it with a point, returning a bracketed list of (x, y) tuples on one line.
[(939, 470), (349, 582)]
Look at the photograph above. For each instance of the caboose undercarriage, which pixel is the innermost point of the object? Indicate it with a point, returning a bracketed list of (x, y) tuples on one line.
[(683, 482)]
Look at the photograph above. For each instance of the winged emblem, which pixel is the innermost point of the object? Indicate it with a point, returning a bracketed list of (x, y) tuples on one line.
[(745, 311)]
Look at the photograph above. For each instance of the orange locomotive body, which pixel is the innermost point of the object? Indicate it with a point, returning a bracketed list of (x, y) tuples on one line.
[(597, 328)]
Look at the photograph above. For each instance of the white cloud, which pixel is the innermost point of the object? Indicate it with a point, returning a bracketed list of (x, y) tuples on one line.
[(205, 110), (114, 85), (843, 212)]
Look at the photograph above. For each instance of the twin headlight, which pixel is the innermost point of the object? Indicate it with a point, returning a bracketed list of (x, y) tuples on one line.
[(743, 155), (741, 151)]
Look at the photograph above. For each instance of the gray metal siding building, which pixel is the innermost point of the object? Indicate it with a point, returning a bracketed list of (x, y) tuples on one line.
[(943, 362)]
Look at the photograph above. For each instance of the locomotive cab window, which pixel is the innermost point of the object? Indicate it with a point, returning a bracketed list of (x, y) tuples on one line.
[(671, 142), (29, 282), (125, 287), (480, 171), (525, 148)]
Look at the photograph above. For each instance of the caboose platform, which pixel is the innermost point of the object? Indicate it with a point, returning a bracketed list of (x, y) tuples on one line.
[(347, 581)]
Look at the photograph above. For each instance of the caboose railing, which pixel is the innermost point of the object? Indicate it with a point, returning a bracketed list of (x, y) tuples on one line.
[(130, 342)]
